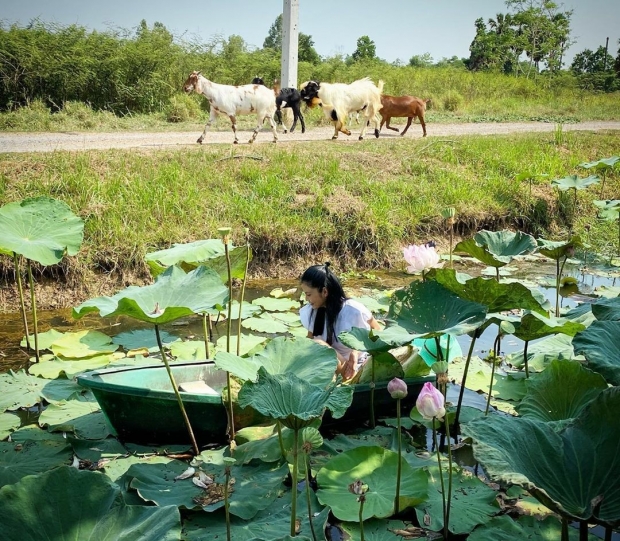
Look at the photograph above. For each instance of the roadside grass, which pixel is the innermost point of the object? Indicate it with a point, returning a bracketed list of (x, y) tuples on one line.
[(356, 203)]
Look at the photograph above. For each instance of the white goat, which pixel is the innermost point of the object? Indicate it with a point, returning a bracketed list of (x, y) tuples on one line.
[(339, 99), (233, 101)]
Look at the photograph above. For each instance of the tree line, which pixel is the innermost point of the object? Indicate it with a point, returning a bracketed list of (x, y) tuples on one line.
[(138, 71)]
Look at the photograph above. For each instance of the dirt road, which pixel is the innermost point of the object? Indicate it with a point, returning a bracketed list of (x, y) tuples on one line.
[(49, 142)]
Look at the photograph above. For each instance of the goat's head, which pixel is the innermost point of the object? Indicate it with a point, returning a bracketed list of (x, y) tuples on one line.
[(258, 81), (309, 92), (192, 82)]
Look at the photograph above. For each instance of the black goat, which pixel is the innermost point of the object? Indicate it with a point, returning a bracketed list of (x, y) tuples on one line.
[(286, 97)]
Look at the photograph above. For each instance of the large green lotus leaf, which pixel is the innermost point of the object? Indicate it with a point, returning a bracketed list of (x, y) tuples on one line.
[(558, 249), (52, 367), (503, 528), (117, 469), (249, 343), (143, 338), (478, 374), (30, 458), (606, 309), (19, 390), (45, 339), (609, 209), (190, 350), (604, 164), (247, 310), (267, 525), (541, 353), (506, 243), (94, 450), (310, 361), (66, 503), (473, 502), (364, 340), (36, 433), (59, 390), (174, 295), (429, 309), (395, 336), (375, 305), (534, 326), (265, 323), (496, 296), (385, 367), (41, 229), (83, 344), (271, 304), (560, 392), (293, 400), (575, 471), (210, 253), (481, 253), (383, 530), (574, 181), (600, 343), (84, 419), (377, 468), (256, 486), (510, 387), (8, 424)]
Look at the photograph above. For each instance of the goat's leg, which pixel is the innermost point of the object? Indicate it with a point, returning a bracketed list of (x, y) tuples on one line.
[(364, 126), (409, 119), (212, 119), (233, 123), (341, 127), (273, 129), (295, 116), (387, 125), (421, 117), (301, 119)]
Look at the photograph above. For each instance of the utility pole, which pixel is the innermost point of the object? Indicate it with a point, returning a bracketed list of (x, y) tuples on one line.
[(606, 53), (290, 43)]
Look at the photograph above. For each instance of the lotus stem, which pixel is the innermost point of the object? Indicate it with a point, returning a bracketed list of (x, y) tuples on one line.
[(33, 301), (583, 530), (399, 466), (451, 243), (243, 283), (294, 483), (564, 529), (231, 417), (557, 288), (449, 499), (176, 391), (205, 331), (307, 447), (603, 184), (279, 427), (226, 504), (527, 370), (494, 359), (20, 288), (497, 273), (462, 391), (362, 499), (608, 533), (372, 392), (443, 491)]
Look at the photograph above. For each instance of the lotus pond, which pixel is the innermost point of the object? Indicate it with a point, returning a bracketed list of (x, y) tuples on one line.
[(529, 328)]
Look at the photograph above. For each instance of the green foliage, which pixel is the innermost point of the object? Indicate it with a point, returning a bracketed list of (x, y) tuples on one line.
[(366, 49), (182, 108), (306, 51)]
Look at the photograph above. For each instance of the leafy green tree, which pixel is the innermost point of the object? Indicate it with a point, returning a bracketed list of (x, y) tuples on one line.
[(421, 61), (617, 63), (306, 51), (365, 50), (592, 62)]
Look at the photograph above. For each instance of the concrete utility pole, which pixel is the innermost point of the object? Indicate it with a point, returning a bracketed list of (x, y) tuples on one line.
[(290, 43)]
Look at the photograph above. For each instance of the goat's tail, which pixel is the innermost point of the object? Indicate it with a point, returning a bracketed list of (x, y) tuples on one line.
[(380, 87)]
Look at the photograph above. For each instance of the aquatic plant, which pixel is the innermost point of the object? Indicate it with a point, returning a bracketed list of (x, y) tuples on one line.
[(610, 210), (573, 182), (398, 390), (420, 258), (603, 166)]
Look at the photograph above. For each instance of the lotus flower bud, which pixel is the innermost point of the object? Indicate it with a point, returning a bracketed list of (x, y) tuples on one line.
[(448, 212), (397, 388), (430, 402), (224, 233), (421, 258), (358, 487)]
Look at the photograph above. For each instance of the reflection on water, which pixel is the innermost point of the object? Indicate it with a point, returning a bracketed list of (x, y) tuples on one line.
[(13, 357)]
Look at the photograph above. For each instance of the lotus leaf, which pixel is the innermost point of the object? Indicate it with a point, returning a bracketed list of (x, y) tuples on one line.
[(606, 309), (364, 340), (497, 248), (35, 433), (428, 309), (383, 530), (143, 338), (276, 305), (376, 467), (265, 323), (59, 390), (247, 310), (294, 401), (51, 367), (602, 164), (310, 361), (30, 458), (85, 419), (496, 296), (250, 343), (210, 253), (384, 366), (46, 339), (541, 353), (560, 392), (267, 525), (95, 450), (503, 528), (83, 344), (573, 181), (610, 209), (19, 390), (26, 513), (558, 249), (174, 295), (534, 326), (600, 343), (8, 424), (473, 502), (41, 229), (575, 472), (256, 486)]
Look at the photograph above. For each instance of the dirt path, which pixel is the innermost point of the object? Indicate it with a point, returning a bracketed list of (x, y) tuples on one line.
[(49, 142)]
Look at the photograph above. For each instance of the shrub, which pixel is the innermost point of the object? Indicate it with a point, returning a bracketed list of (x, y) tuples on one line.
[(182, 108), (452, 101)]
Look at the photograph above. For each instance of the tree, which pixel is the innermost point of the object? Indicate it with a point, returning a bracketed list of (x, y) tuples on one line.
[(421, 61), (366, 49), (617, 63), (592, 62), (306, 51)]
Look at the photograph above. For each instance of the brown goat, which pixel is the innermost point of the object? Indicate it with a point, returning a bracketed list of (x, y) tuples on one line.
[(402, 106)]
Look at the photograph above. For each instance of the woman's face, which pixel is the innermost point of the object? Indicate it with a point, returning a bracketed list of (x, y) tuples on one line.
[(315, 296)]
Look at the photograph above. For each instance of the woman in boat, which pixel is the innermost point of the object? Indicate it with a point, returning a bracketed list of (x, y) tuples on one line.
[(329, 312)]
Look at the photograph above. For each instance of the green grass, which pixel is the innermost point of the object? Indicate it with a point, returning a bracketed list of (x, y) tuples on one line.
[(356, 204)]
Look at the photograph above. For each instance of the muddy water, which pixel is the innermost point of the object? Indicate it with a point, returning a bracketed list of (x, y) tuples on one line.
[(14, 357)]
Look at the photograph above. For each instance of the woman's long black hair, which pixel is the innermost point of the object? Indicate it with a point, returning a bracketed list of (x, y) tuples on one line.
[(319, 276)]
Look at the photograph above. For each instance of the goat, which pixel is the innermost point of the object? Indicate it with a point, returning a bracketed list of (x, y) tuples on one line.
[(233, 101), (286, 97), (402, 106), (338, 100)]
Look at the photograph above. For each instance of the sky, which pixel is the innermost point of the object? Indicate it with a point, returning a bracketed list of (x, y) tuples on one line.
[(400, 29)]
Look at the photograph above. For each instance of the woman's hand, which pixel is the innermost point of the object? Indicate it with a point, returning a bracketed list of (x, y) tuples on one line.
[(350, 366)]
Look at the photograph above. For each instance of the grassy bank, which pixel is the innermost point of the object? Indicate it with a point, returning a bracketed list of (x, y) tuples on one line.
[(356, 204)]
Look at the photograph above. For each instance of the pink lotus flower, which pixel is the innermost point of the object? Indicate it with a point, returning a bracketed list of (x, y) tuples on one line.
[(430, 402), (421, 258), (397, 388)]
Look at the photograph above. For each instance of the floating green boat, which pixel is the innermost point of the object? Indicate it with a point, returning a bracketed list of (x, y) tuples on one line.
[(141, 406)]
